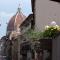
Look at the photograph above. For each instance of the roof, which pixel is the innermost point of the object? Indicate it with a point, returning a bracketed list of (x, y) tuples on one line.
[(27, 20), (16, 20), (10, 26)]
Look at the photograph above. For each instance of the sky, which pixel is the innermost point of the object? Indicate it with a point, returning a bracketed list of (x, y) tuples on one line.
[(8, 8)]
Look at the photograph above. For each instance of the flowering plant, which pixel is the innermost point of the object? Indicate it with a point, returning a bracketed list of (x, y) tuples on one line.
[(51, 31)]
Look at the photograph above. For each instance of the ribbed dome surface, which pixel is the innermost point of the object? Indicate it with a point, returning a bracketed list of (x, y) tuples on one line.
[(15, 21), (10, 26)]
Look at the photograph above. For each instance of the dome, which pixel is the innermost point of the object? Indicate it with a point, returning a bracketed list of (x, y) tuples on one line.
[(10, 26), (16, 20)]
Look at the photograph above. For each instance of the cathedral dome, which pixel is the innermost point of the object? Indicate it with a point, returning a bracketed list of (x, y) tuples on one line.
[(16, 20), (10, 26)]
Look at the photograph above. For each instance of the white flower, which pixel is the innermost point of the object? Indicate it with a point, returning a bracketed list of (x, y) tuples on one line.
[(46, 27), (53, 23), (57, 26)]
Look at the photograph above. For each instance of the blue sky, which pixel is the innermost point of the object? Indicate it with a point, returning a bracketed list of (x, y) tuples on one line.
[(8, 8)]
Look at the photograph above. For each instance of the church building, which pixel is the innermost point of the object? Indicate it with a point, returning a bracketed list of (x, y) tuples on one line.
[(14, 23), (16, 28)]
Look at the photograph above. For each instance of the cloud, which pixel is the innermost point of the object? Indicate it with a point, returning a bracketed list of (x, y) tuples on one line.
[(26, 7), (5, 14), (5, 17), (11, 7)]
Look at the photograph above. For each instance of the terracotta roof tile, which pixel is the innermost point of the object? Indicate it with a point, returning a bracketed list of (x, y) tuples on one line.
[(15, 21)]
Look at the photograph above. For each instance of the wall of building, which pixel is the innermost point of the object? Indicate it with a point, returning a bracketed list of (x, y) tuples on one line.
[(56, 48), (46, 11)]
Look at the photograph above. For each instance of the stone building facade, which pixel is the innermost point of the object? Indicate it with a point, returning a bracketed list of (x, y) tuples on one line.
[(47, 11), (16, 28), (44, 12)]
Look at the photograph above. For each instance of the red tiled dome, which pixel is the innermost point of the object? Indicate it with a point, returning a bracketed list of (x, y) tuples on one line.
[(15, 21), (19, 18), (10, 26)]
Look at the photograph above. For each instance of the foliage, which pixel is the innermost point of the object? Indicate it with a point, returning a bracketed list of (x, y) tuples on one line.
[(51, 31), (34, 34)]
